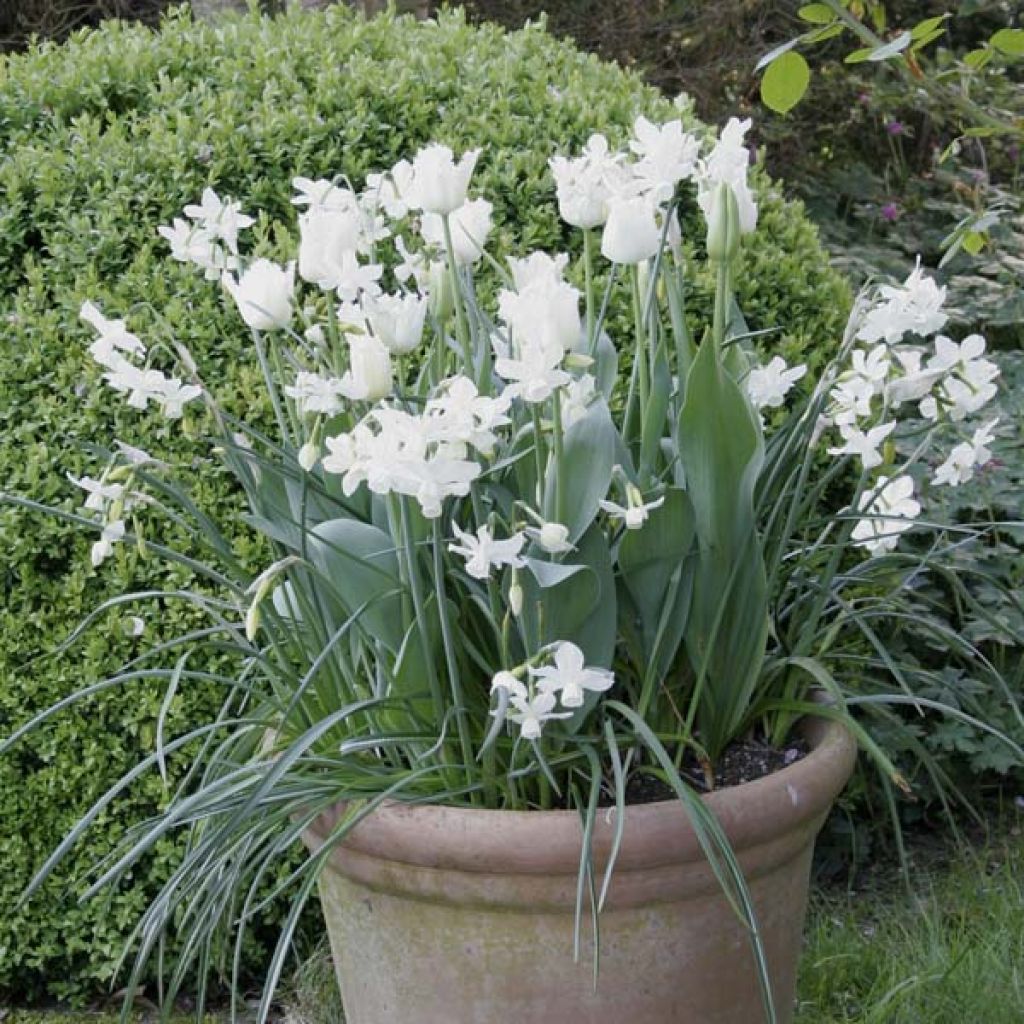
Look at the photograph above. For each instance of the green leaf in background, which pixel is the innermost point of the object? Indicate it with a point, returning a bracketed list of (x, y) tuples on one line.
[(816, 14), (1009, 41), (785, 82), (928, 26), (589, 454), (774, 54), (891, 49)]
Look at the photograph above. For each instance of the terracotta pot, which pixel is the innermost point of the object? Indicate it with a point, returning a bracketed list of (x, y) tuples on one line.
[(442, 915)]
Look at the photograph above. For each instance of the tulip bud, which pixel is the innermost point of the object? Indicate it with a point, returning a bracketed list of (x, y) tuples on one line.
[(442, 301), (723, 225)]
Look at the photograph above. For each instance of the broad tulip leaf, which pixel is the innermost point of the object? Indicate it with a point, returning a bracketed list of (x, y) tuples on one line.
[(588, 458), (721, 449), (656, 411), (550, 574), (785, 82), (361, 565), (606, 366), (648, 559)]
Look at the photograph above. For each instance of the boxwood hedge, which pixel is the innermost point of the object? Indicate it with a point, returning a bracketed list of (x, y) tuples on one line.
[(102, 139)]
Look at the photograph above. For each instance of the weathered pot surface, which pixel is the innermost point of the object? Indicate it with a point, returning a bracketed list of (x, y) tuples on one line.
[(444, 915)]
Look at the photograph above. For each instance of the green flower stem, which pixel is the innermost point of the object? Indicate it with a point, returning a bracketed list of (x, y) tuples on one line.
[(588, 271), (461, 323), (415, 586), (454, 679), (640, 355), (721, 306), (559, 445), (275, 401), (538, 452)]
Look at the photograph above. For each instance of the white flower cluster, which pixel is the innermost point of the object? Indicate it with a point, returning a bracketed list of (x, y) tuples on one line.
[(423, 456), (114, 349), (109, 498), (567, 679), (885, 372), (601, 188), (209, 237)]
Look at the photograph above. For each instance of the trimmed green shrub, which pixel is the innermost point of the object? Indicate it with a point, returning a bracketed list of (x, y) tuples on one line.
[(106, 137)]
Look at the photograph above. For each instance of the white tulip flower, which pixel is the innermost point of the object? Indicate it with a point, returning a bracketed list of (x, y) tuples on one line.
[(438, 184), (369, 375), (631, 234), (263, 294)]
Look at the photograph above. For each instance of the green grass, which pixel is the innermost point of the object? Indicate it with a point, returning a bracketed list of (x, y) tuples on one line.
[(951, 954)]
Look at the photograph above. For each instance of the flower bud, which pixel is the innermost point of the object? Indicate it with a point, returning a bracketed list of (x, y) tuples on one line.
[(515, 598), (723, 225), (308, 454), (442, 301)]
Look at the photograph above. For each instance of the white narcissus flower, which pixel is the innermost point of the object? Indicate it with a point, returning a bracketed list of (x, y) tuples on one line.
[(569, 677), (967, 456), (914, 307), (535, 374), (315, 394), (222, 218), (914, 382), (552, 537), (437, 184), (505, 680), (631, 234), (727, 164), (872, 365), (892, 509), (397, 321), (865, 445), (531, 713), (483, 553), (768, 385), (368, 377), (586, 183), (470, 224), (459, 415), (851, 400), (104, 547), (969, 379), (667, 155), (99, 493), (263, 294), (576, 399), (191, 243), (636, 512), (114, 336), (171, 395)]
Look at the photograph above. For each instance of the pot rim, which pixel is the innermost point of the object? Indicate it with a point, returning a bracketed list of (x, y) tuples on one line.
[(794, 799)]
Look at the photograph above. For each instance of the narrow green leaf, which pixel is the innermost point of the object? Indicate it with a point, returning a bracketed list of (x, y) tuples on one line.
[(977, 59), (774, 54), (858, 56), (785, 82), (928, 26)]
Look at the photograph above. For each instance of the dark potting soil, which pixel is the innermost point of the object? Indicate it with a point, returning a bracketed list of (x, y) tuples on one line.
[(743, 761)]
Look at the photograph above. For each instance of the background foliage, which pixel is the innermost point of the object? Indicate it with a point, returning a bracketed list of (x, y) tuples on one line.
[(110, 135)]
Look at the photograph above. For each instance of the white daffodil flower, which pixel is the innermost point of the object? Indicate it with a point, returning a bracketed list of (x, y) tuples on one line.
[(893, 509), (865, 445), (483, 553), (767, 386), (100, 494), (636, 512), (104, 547), (552, 537), (314, 394), (967, 456), (222, 218), (914, 307), (531, 713), (569, 677)]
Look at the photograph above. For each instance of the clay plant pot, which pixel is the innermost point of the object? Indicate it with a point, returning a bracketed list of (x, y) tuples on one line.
[(444, 915)]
